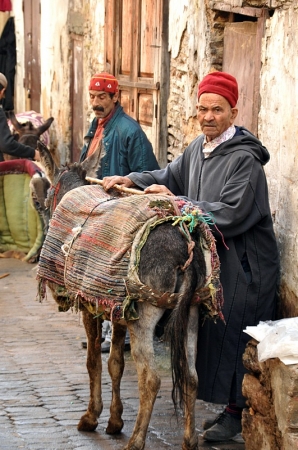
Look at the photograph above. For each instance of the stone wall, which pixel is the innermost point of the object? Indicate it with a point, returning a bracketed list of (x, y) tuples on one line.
[(187, 45), (194, 56), (271, 388), (278, 122)]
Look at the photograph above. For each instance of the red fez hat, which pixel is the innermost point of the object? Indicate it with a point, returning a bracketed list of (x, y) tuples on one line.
[(220, 83), (104, 82)]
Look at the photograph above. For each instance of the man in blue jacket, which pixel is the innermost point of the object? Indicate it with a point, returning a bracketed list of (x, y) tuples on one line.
[(115, 140), (116, 144)]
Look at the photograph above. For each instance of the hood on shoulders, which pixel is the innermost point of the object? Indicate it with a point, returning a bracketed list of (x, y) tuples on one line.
[(244, 140)]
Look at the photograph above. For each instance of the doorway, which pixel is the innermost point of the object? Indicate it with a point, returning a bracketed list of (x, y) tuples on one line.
[(136, 41)]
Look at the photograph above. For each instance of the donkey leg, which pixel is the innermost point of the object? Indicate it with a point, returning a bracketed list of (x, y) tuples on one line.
[(89, 421), (190, 439), (116, 367), (141, 342)]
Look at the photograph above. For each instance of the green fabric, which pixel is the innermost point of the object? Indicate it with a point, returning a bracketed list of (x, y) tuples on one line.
[(21, 227)]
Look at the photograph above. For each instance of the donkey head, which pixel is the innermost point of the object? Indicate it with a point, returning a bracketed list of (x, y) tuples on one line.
[(26, 133), (62, 179)]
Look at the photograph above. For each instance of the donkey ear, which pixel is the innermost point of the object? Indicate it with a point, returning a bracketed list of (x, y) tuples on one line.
[(45, 126), (17, 125), (47, 161)]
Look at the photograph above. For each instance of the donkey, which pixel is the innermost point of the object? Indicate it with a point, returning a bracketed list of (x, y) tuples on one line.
[(29, 133), (171, 271), (26, 132)]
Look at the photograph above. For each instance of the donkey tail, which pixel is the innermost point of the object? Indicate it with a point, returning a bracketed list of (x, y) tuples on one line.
[(176, 334)]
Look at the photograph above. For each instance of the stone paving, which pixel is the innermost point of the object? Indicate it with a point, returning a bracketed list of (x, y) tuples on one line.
[(44, 386)]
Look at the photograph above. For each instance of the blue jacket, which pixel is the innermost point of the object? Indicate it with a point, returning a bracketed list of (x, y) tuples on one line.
[(127, 148)]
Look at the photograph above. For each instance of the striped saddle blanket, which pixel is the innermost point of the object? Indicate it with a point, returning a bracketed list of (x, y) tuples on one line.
[(88, 248)]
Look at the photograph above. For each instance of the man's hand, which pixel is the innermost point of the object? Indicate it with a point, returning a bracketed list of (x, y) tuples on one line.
[(109, 182), (157, 189)]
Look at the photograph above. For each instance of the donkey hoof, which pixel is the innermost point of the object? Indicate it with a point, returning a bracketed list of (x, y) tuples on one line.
[(114, 428), (190, 446), (87, 424)]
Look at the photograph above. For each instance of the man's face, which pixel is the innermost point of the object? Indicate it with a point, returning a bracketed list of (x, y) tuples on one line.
[(215, 115), (101, 102)]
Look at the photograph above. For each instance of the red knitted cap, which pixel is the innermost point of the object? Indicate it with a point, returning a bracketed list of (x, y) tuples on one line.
[(104, 82), (220, 83)]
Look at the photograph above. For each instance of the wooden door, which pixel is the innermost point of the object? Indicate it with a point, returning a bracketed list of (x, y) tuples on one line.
[(242, 58), (31, 9), (135, 52)]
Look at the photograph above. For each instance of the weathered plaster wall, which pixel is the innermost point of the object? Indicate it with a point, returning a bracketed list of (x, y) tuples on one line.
[(94, 13), (189, 62), (195, 42), (278, 124), (17, 13), (59, 21), (55, 71), (54, 61)]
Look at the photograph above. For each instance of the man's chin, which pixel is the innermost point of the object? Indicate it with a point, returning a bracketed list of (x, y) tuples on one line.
[(99, 115), (210, 133)]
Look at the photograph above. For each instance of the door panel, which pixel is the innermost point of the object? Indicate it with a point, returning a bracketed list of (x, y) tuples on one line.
[(148, 38), (32, 54), (240, 40), (126, 37), (134, 55)]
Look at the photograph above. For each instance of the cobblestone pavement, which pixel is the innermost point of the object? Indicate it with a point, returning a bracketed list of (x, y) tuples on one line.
[(44, 383)]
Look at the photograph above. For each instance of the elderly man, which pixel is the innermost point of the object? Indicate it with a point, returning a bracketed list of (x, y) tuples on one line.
[(116, 145), (222, 172)]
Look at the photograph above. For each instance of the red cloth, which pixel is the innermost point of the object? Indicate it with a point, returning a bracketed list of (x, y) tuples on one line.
[(5, 5), (19, 166), (98, 133), (104, 82), (220, 83)]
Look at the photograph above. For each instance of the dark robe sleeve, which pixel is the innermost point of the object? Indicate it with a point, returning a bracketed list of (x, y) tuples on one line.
[(242, 202), (9, 145), (167, 177)]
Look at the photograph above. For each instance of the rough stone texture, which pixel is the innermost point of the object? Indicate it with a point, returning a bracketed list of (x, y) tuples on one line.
[(271, 389), (277, 129)]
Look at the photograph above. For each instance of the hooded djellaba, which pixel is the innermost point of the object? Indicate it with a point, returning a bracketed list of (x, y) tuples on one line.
[(222, 171)]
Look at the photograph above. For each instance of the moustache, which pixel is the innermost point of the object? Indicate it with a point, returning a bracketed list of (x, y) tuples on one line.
[(208, 124), (98, 108)]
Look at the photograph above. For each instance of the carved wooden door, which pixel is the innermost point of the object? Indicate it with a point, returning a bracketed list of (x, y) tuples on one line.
[(135, 52)]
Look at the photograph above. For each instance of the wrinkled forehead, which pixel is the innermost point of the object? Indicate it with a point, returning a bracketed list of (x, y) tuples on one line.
[(97, 93), (210, 99)]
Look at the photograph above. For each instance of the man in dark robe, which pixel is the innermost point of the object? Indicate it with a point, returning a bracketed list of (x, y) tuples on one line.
[(222, 172)]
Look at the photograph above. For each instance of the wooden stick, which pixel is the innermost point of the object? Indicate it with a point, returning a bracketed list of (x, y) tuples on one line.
[(116, 186), (4, 275)]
